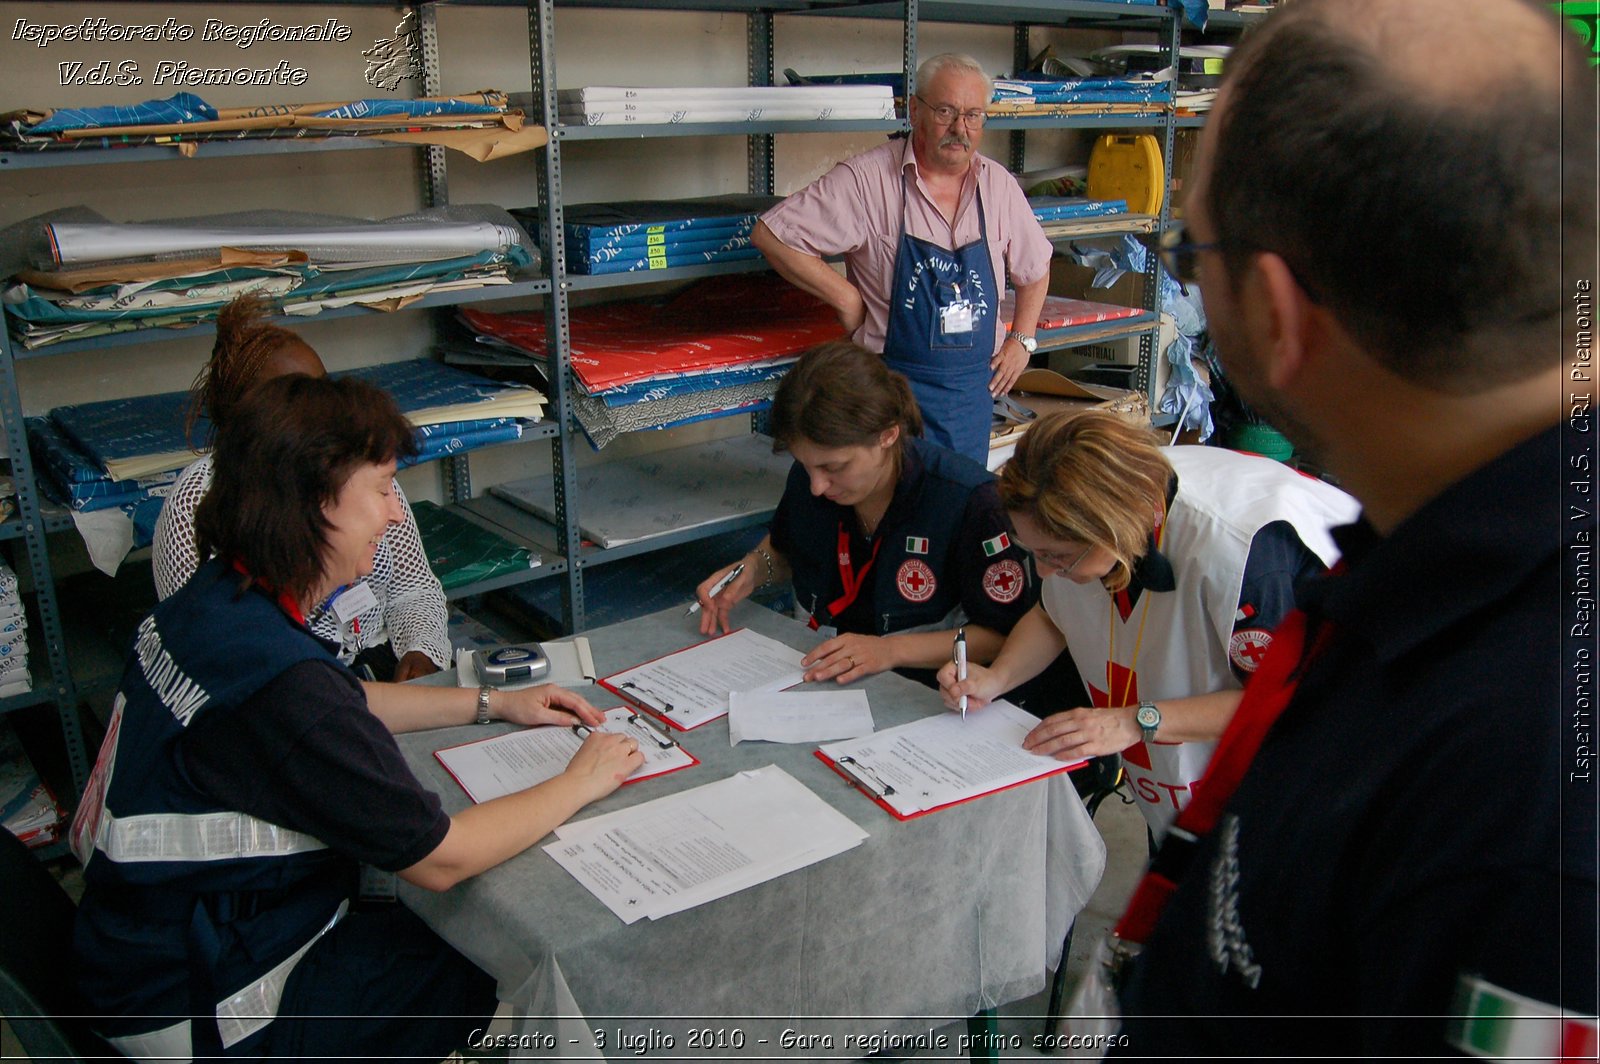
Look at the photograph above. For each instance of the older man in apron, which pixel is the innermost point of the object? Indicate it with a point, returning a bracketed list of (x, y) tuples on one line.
[(928, 229)]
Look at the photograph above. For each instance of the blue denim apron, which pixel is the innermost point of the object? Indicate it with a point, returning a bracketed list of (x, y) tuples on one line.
[(949, 370)]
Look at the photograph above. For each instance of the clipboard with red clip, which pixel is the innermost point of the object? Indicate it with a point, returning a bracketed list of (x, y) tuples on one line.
[(871, 765), (682, 689), (483, 769)]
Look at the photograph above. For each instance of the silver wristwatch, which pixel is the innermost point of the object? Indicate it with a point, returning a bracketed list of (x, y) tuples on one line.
[(483, 705), (1149, 719), (1029, 344)]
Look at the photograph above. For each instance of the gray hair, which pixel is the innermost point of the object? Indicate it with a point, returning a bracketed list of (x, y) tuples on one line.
[(956, 61)]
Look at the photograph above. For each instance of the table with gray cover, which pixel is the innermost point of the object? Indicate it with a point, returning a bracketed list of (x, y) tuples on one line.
[(928, 920)]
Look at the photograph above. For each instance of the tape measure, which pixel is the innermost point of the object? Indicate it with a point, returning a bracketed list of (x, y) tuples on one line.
[(514, 664)]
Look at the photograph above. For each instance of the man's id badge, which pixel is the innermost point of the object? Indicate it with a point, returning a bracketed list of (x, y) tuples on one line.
[(956, 317)]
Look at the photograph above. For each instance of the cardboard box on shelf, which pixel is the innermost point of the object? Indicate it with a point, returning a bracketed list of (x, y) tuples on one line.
[(1120, 352), (1044, 391)]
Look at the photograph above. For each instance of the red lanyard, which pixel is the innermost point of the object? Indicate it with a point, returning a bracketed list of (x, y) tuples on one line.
[(1265, 697), (851, 579), (286, 602)]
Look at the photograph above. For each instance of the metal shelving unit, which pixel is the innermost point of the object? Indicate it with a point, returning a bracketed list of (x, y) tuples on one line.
[(53, 680)]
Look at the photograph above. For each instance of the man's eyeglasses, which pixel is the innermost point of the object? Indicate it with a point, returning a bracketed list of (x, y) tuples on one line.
[(947, 114), (1180, 257)]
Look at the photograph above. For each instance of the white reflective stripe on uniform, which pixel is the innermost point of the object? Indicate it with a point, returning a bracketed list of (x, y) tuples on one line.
[(196, 837), (170, 1045), (243, 1014)]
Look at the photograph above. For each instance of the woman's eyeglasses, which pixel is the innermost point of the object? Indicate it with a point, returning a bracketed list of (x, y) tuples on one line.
[(1059, 561), (947, 114)]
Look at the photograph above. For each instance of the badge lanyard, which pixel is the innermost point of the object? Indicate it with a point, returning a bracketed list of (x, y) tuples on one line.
[(1138, 640), (853, 581), (1265, 698)]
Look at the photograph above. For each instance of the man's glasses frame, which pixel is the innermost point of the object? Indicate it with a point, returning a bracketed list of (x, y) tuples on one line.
[(1181, 257), (947, 115)]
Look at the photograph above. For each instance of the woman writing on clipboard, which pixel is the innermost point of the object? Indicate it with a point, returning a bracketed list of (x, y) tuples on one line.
[(1163, 571), (892, 542)]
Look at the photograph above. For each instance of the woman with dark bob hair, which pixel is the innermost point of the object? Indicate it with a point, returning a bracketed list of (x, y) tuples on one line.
[(246, 775), (391, 624), (892, 542), (1163, 571)]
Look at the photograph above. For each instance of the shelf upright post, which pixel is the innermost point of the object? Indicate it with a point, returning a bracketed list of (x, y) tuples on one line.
[(1019, 65), (759, 147), (1144, 378), (62, 690), (908, 53), (758, 34), (558, 324), (456, 469)]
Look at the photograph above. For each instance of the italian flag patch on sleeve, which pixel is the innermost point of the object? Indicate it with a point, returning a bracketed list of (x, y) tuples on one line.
[(916, 544), (1494, 1023), (994, 546)]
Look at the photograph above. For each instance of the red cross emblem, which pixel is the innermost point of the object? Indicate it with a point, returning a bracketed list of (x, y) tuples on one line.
[(1003, 581), (1126, 684), (1247, 648), (915, 580)]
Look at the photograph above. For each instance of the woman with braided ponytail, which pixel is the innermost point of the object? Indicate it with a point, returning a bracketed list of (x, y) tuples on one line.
[(393, 620)]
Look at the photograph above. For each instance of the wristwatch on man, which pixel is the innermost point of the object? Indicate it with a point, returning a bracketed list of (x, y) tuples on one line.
[(1029, 344), (483, 705), (1149, 719)]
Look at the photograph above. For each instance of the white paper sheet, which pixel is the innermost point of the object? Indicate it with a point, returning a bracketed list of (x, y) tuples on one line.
[(677, 852), (571, 662), (798, 716), (939, 760), (692, 686), (515, 761)]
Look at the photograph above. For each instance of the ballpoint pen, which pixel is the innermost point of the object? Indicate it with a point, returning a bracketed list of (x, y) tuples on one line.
[(961, 665), (716, 589)]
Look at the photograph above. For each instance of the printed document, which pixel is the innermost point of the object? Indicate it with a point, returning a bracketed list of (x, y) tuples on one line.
[(798, 716), (517, 760), (938, 761), (689, 848), (691, 687)]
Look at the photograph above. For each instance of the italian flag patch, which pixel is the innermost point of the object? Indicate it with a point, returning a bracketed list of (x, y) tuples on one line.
[(1493, 1022), (994, 546), (916, 544)]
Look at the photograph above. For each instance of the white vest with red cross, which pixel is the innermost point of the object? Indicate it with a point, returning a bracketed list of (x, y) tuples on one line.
[(1223, 499)]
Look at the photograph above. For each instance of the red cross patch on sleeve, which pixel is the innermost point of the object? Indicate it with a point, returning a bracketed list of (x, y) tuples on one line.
[(1248, 648), (1003, 581)]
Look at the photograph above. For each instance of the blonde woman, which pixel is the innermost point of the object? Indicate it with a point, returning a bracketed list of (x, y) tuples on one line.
[(1163, 571)]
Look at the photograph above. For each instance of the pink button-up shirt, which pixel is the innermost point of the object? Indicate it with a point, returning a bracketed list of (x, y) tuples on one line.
[(858, 210)]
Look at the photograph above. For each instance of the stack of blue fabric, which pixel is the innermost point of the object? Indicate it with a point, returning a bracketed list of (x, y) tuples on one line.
[(79, 448), (656, 234), (1065, 208), (1039, 95)]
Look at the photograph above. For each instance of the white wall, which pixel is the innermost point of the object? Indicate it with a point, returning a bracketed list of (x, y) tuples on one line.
[(479, 48)]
